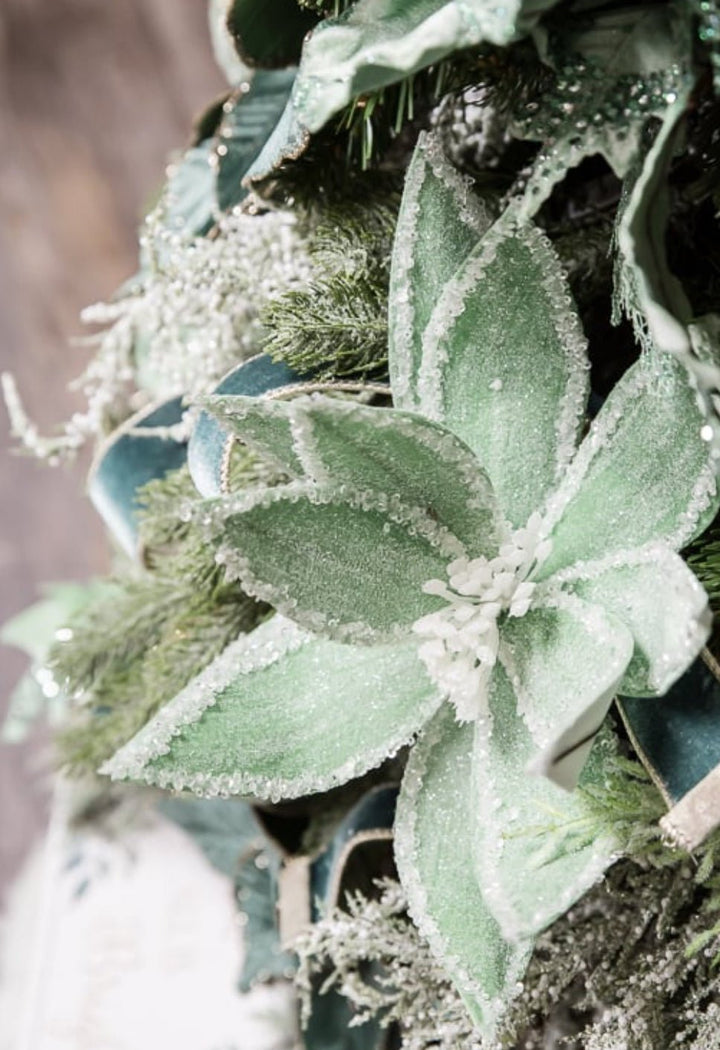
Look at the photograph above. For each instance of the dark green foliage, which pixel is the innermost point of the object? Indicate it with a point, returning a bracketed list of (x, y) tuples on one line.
[(377, 132), (703, 557), (139, 644), (268, 35)]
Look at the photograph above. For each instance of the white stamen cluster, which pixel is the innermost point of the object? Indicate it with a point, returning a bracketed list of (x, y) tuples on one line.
[(462, 639)]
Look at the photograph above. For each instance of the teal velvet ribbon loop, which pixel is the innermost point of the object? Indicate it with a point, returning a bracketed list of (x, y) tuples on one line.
[(139, 451), (369, 822), (360, 851), (677, 736), (209, 444)]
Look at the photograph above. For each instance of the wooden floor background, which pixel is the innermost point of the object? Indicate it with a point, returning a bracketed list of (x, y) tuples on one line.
[(93, 95)]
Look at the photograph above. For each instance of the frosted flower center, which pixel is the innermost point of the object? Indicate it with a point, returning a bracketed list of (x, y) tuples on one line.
[(461, 640)]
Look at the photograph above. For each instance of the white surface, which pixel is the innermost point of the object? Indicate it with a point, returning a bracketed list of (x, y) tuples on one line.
[(145, 958)]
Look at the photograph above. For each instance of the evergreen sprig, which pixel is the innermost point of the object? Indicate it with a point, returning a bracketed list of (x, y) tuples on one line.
[(632, 964), (336, 326), (615, 971), (703, 557)]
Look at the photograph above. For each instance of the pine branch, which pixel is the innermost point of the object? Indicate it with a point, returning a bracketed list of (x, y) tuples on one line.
[(703, 557), (336, 327), (355, 234)]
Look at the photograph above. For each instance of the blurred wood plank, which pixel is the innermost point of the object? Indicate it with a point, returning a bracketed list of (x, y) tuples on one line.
[(93, 96)]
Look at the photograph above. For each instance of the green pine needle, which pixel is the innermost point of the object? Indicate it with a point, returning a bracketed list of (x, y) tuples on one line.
[(335, 328), (703, 557)]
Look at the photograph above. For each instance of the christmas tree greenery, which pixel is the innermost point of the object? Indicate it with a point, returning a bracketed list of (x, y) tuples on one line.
[(407, 435)]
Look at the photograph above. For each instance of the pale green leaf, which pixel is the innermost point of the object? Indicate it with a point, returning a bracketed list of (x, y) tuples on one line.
[(282, 714), (434, 832), (642, 474), (504, 365), (262, 424), (439, 223), (565, 659), (402, 456), (349, 565), (533, 855), (378, 42), (661, 602), (405, 457)]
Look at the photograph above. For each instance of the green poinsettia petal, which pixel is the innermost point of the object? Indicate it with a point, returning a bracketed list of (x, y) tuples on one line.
[(642, 474), (504, 365), (440, 222), (434, 831), (535, 852), (377, 42), (653, 592), (403, 456), (565, 659), (348, 565), (262, 424), (282, 714)]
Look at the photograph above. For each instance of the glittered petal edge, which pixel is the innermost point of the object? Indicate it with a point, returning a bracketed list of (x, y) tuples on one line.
[(537, 823), (272, 642), (437, 354), (565, 738), (414, 520), (675, 583), (472, 216), (486, 1010)]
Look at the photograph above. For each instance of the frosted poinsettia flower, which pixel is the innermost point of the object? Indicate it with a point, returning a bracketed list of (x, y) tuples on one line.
[(461, 570)]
